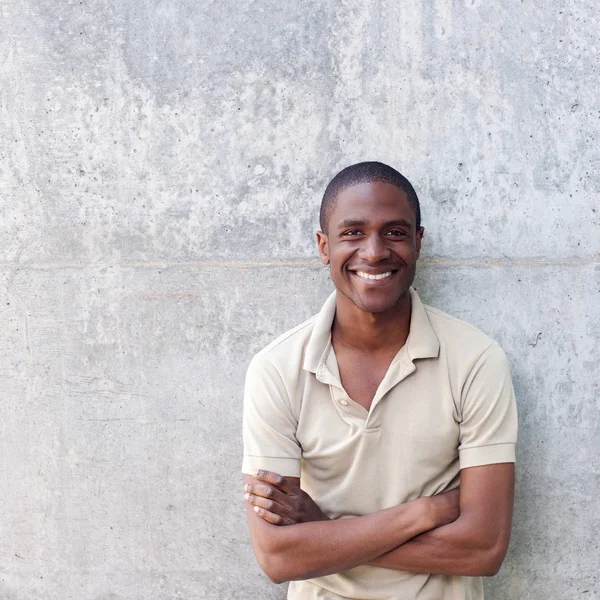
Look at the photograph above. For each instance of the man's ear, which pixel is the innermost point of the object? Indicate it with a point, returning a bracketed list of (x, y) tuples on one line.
[(418, 239), (323, 244)]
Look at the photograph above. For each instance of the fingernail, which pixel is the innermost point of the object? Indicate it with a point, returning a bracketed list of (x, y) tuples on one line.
[(256, 509), (246, 496)]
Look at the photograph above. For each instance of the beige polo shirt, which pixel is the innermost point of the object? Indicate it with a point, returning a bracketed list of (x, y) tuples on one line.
[(445, 403)]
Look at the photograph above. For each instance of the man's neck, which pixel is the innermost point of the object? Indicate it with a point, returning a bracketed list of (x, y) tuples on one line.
[(376, 333)]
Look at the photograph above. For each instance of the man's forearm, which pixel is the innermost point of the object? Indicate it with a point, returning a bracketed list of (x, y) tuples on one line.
[(320, 548), (476, 543), (454, 549)]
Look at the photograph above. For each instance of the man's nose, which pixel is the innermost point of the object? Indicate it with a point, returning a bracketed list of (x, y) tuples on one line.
[(374, 249)]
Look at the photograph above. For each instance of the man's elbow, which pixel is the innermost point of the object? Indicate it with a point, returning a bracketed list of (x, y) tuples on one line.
[(481, 554), (488, 561), (280, 569), (494, 560), (484, 549), (288, 565), (274, 561), (272, 569)]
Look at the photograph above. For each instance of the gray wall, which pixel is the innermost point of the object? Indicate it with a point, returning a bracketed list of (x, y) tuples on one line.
[(161, 165)]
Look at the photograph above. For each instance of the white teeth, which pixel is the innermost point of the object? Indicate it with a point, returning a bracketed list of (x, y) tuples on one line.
[(369, 276)]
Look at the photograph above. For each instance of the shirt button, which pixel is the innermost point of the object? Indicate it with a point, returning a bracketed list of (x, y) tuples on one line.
[(343, 403)]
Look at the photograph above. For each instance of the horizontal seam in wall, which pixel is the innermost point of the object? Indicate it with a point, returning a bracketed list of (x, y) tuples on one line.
[(299, 262)]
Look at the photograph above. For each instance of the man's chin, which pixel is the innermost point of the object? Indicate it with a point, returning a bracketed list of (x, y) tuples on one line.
[(375, 305)]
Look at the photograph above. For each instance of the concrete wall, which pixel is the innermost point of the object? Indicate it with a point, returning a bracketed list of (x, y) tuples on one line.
[(161, 165)]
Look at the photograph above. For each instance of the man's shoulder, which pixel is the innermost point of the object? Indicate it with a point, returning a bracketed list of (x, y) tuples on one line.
[(457, 334)]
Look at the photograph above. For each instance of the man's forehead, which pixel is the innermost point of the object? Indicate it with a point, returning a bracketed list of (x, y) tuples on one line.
[(372, 200)]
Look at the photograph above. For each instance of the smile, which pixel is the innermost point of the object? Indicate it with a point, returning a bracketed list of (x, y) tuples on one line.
[(372, 276)]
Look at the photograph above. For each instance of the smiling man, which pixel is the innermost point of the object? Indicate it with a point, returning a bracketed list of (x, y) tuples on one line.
[(360, 424)]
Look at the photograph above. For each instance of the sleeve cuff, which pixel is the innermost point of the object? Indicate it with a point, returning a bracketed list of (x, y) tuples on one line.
[(486, 455), (290, 467)]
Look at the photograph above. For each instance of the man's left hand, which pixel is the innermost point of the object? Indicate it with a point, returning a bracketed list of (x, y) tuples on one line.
[(280, 502)]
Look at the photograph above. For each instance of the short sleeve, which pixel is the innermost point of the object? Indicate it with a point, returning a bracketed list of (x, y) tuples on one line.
[(269, 428), (488, 428)]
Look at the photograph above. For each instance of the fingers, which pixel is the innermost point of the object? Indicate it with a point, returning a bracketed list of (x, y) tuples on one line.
[(266, 504), (269, 497), (265, 491), (279, 481), (270, 517)]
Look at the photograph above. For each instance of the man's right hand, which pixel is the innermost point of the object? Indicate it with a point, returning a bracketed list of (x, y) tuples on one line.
[(279, 501)]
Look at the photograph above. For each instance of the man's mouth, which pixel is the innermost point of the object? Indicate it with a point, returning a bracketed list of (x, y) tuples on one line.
[(374, 276)]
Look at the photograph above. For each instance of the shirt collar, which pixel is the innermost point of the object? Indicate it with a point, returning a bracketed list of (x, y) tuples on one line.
[(422, 341)]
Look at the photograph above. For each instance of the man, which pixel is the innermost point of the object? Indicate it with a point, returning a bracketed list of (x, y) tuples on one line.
[(360, 423)]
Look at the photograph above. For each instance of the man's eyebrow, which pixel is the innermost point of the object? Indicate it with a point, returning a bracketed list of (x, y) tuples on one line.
[(397, 223), (351, 223)]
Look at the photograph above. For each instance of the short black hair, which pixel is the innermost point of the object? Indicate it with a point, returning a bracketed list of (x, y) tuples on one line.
[(366, 172)]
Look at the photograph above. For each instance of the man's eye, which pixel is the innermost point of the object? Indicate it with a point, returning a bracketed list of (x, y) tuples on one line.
[(353, 232), (396, 233)]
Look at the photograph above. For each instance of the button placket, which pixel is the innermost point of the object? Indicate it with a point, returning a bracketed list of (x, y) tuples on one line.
[(406, 367), (372, 422), (340, 397), (328, 373), (346, 404)]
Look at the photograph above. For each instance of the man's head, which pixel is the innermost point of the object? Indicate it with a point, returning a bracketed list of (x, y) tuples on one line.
[(371, 235), (366, 172)]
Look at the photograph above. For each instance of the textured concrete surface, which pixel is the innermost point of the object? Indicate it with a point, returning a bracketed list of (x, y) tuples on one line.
[(161, 165)]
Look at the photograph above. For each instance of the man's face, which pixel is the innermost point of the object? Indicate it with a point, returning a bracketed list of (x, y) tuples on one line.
[(372, 245)]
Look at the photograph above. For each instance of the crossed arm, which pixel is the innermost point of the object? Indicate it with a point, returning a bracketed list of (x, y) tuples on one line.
[(462, 532)]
